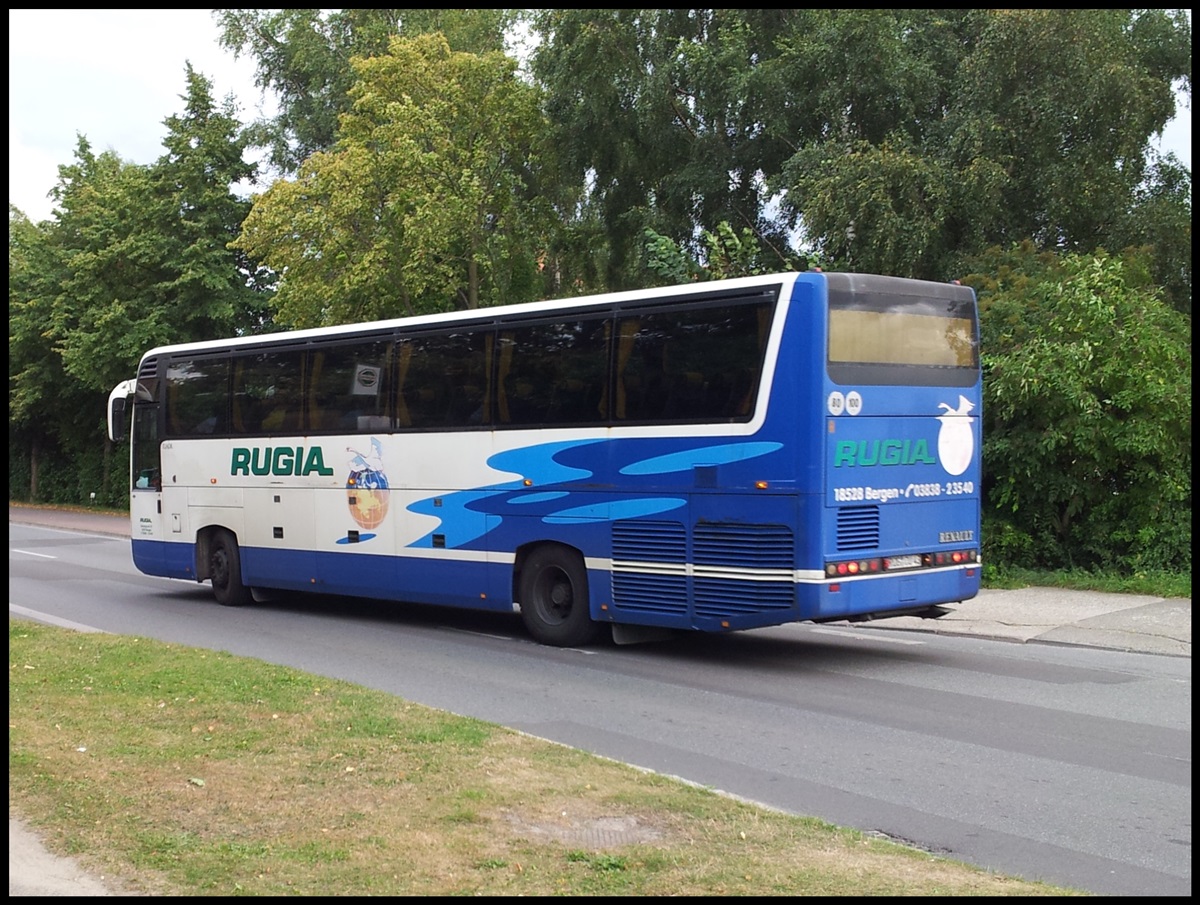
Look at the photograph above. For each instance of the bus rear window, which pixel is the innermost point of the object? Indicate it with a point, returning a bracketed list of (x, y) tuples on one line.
[(893, 332), (897, 338)]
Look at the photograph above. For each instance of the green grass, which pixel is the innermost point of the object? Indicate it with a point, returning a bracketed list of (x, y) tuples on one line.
[(179, 771), (1153, 584)]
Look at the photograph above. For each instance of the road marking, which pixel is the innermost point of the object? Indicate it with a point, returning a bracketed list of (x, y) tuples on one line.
[(865, 636), (37, 616), (465, 631), (31, 553)]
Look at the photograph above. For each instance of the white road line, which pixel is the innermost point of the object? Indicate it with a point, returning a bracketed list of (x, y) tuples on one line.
[(37, 616), (31, 553), (885, 637)]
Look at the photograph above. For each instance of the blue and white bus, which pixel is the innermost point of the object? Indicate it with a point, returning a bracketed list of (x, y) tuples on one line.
[(797, 447)]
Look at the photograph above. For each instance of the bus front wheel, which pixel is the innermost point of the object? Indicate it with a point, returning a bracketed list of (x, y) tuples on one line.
[(225, 570), (554, 598)]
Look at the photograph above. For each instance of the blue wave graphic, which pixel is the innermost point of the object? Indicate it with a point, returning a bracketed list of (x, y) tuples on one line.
[(465, 516), (537, 463), (704, 455), (613, 510), (459, 524), (527, 498)]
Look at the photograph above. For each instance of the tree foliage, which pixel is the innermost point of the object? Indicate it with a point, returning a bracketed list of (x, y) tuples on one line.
[(1028, 124), (891, 141), (659, 114), (35, 374), (134, 257), (424, 204), (44, 404), (303, 56), (144, 249), (1087, 413), (727, 254), (1160, 224)]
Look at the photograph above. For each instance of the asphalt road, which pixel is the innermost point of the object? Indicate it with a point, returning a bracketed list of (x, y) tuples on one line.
[(1056, 621)]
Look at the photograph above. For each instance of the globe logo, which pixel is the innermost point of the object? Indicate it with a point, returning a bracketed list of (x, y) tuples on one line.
[(367, 487)]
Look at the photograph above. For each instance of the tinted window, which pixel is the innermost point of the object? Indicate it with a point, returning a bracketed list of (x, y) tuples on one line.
[(268, 393), (198, 397), (554, 373), (697, 365), (443, 380), (348, 388)]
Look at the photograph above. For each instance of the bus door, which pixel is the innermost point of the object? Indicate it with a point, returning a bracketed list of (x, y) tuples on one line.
[(145, 502)]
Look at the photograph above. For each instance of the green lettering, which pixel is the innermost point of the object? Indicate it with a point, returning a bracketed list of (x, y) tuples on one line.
[(891, 453), (316, 462), (882, 452), (241, 461), (261, 467), (282, 461)]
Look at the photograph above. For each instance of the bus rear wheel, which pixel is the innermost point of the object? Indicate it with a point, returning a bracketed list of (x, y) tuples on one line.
[(225, 570), (554, 598)]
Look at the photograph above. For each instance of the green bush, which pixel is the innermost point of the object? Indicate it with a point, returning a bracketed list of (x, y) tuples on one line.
[(1087, 415)]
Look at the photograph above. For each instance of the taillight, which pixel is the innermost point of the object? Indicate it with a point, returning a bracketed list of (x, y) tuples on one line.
[(900, 563), (853, 567)]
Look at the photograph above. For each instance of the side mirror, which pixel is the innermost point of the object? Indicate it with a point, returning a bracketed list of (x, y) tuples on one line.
[(116, 420), (118, 400)]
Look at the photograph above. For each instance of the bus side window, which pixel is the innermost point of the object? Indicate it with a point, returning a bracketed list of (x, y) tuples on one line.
[(198, 397), (695, 365), (554, 373), (268, 389), (444, 379), (348, 388), (642, 375)]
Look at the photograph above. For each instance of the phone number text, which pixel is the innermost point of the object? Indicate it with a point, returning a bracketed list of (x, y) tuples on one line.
[(912, 491)]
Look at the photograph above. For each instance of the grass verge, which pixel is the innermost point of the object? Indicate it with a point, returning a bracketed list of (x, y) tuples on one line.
[(1150, 584), (181, 771)]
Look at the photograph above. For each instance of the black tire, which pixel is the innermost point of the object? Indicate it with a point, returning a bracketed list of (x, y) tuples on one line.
[(225, 571), (554, 598)]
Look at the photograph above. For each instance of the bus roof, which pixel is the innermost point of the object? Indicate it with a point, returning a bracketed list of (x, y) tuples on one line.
[(479, 314)]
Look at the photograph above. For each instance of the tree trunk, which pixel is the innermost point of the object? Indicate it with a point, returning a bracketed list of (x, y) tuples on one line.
[(33, 471)]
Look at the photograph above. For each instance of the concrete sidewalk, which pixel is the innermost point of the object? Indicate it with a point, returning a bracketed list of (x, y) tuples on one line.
[(1125, 622), (1129, 622), (34, 871)]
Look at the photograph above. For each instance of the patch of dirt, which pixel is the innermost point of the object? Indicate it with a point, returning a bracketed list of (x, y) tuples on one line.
[(592, 833)]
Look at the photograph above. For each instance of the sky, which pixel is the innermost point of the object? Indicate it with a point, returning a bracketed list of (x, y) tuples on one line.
[(114, 75)]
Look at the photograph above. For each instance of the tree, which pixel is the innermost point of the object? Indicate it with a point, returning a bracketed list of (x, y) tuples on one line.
[(1025, 124), (1087, 413), (303, 56), (1160, 222), (42, 403), (134, 257), (145, 249), (658, 118), (727, 254), (882, 140), (424, 204)]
